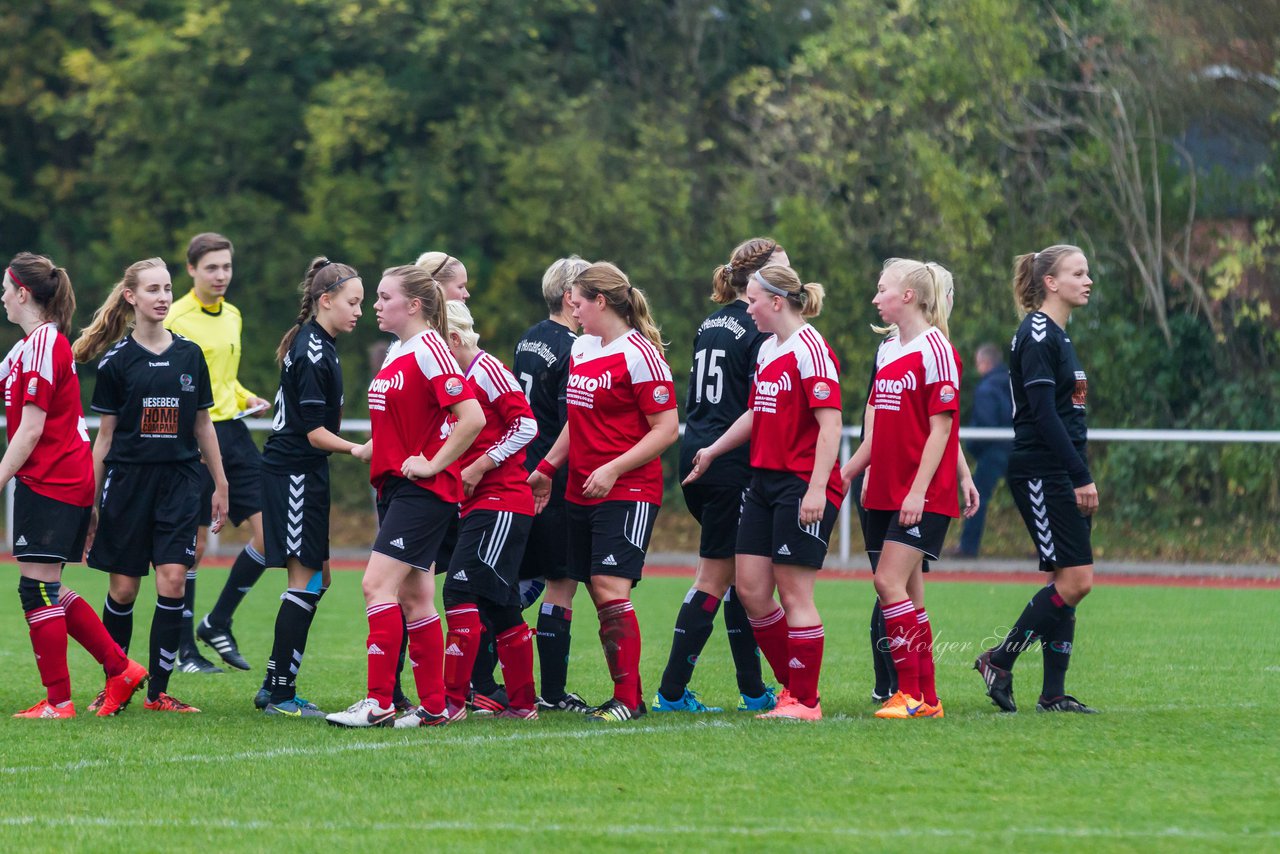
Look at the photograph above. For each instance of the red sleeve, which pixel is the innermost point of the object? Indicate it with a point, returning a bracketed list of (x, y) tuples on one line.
[(450, 389), (654, 396), (822, 393), (943, 397)]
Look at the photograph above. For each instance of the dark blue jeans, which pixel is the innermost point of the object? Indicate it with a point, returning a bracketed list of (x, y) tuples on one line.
[(988, 471)]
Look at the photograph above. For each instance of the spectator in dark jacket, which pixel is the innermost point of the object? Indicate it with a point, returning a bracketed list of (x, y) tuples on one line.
[(992, 407)]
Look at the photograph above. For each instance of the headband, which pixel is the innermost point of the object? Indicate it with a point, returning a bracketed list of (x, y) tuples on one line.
[(447, 259), (338, 283), (13, 274), (770, 286)]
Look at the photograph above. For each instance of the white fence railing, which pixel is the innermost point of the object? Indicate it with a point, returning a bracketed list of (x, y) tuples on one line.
[(847, 439)]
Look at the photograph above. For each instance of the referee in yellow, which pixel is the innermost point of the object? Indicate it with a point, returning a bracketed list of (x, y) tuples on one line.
[(205, 317)]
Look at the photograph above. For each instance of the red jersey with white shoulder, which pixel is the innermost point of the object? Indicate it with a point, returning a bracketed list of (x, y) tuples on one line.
[(611, 391), (40, 370), (793, 378), (914, 380), (408, 410), (509, 426)]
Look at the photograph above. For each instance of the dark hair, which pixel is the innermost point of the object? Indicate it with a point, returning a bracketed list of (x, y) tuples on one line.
[(204, 243), (421, 285), (628, 302), (730, 280), (990, 352), (1030, 270), (48, 284), (322, 277)]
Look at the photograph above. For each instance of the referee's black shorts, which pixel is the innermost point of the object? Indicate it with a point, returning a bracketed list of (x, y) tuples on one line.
[(148, 515), (295, 516), (242, 463)]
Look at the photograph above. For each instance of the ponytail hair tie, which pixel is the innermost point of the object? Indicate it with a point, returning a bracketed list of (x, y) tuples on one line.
[(324, 263), (728, 268)]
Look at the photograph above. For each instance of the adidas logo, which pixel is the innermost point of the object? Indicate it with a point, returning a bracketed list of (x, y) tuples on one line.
[(784, 550), (374, 649), (460, 575), (453, 649), (914, 531), (795, 664), (22, 541), (609, 561), (398, 542)]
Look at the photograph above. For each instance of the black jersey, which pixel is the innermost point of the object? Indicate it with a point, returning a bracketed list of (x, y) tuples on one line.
[(1042, 355), (155, 398), (541, 366), (310, 396), (724, 360)]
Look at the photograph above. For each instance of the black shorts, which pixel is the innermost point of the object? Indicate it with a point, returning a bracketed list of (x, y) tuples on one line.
[(46, 530), (1060, 532), (546, 555), (412, 523), (295, 516), (148, 516), (770, 525), (486, 560), (610, 538), (242, 464), (926, 537), (717, 509), (444, 554)]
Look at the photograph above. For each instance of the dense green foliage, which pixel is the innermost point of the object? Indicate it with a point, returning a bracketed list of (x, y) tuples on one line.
[(658, 135), (1181, 759)]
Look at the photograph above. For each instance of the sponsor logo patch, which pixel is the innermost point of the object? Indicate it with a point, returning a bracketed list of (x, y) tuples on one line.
[(661, 395), (821, 391), (453, 386), (947, 394)]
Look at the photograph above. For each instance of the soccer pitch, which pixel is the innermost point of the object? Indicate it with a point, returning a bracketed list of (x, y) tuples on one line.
[(1185, 756)]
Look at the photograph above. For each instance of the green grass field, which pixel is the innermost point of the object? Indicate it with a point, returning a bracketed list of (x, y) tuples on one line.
[(1185, 757)]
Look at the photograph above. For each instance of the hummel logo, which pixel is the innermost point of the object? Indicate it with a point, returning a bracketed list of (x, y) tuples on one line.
[(784, 550), (453, 649), (796, 664), (609, 561), (374, 649), (398, 542), (914, 531), (22, 541), (460, 575)]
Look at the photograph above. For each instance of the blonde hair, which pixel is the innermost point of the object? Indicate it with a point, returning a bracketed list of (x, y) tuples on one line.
[(461, 322), (931, 282), (558, 279), (730, 280), (628, 302), (1029, 272), (805, 298), (418, 284), (441, 266), (114, 317)]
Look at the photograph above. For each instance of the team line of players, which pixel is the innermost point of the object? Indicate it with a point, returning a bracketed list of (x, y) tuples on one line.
[(474, 483)]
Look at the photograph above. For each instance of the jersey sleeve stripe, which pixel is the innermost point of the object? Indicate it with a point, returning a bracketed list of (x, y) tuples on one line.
[(814, 359), (942, 354), (42, 344), (445, 363), (645, 349), (822, 364), (657, 364), (501, 378)]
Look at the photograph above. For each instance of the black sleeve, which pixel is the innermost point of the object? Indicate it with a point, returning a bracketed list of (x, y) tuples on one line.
[(1040, 400), (204, 387), (309, 383), (108, 395)]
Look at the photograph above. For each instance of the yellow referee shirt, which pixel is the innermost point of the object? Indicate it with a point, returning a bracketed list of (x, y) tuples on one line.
[(217, 331)]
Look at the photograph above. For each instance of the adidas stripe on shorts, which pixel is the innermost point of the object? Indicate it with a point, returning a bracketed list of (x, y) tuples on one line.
[(412, 522), (609, 538), (486, 559), (770, 521), (1062, 535), (926, 536), (295, 516)]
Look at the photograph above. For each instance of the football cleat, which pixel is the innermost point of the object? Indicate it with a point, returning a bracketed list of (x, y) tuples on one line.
[(877, 697), (295, 708), (97, 702), (363, 713), (455, 712), (262, 698), (999, 682), (687, 703), (568, 703), (793, 711), (1065, 703), (44, 710), (766, 701), (401, 701), (191, 661), (615, 711), (522, 714), (488, 704), (121, 688), (421, 717), (933, 710), (222, 642), (165, 703), (901, 705)]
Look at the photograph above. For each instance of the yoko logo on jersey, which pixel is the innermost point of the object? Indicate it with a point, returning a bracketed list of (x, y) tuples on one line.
[(773, 389), (907, 383), (382, 386), (590, 384)]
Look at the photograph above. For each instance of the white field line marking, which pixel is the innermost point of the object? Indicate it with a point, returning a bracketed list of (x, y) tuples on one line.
[(639, 829), (359, 746)]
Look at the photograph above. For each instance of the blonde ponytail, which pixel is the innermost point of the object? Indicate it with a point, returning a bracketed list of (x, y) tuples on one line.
[(114, 317)]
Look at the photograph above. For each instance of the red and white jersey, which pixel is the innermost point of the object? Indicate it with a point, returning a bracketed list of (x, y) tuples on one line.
[(793, 378), (509, 425), (914, 381), (40, 370), (611, 391), (408, 410)]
